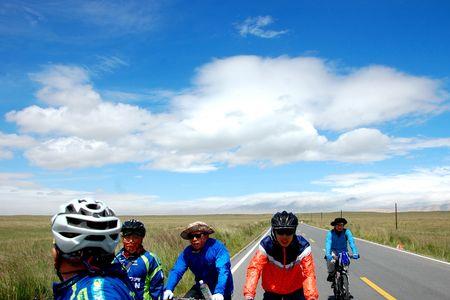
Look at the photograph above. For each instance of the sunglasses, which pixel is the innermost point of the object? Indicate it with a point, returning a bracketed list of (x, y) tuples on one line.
[(285, 231), (195, 235)]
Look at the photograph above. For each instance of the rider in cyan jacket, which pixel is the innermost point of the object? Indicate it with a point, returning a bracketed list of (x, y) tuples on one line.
[(336, 242)]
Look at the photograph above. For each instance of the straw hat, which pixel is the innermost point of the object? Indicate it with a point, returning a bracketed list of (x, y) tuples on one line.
[(196, 227)]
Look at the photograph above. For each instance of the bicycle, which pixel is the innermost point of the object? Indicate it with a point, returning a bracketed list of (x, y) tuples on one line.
[(206, 292), (340, 283)]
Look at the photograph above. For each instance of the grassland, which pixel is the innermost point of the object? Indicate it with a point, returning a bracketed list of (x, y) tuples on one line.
[(26, 267), (426, 233)]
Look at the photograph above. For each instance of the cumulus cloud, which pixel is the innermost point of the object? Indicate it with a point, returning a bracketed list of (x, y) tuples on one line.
[(66, 86), (256, 26), (10, 142), (422, 189), (60, 153), (240, 110)]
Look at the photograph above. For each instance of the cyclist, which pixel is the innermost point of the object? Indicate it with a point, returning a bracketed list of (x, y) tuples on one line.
[(85, 234), (208, 259), (143, 267), (336, 242), (285, 262)]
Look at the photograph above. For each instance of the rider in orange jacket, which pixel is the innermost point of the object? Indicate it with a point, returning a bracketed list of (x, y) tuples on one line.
[(285, 261)]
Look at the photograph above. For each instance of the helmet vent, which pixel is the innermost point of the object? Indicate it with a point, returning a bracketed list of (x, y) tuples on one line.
[(97, 238), (93, 206), (101, 225), (70, 209), (69, 234), (114, 236), (73, 221)]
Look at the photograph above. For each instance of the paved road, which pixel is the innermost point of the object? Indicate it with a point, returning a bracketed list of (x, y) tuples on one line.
[(396, 274)]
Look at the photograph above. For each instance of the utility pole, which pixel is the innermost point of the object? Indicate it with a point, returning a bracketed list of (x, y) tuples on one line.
[(341, 213), (396, 226)]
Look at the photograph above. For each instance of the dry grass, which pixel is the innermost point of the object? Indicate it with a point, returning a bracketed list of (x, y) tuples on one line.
[(26, 267), (427, 233)]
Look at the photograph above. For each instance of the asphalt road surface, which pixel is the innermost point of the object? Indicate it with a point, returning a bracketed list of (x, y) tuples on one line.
[(381, 273)]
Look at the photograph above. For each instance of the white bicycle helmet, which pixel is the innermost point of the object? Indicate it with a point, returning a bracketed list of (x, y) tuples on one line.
[(84, 223)]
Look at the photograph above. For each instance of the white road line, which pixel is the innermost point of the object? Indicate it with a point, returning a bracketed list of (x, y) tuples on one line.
[(388, 247), (236, 266)]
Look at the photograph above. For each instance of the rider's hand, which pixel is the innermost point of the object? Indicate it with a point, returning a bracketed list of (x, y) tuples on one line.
[(329, 257), (217, 297), (355, 256), (168, 294)]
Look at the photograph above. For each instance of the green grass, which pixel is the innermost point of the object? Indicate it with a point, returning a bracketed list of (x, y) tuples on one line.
[(26, 265), (426, 233)]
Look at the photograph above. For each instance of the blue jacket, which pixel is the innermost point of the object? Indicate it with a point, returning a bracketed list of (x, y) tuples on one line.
[(111, 286), (338, 243), (145, 274), (211, 264)]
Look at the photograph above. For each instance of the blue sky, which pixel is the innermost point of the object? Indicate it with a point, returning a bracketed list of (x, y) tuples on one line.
[(221, 106)]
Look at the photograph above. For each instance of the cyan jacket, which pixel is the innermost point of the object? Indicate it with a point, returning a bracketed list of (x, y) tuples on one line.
[(211, 264), (338, 242)]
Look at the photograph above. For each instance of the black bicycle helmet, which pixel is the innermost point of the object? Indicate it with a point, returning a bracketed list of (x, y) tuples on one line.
[(133, 226), (284, 220)]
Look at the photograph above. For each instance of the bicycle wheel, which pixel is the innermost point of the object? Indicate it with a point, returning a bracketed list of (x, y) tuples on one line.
[(335, 286), (345, 292)]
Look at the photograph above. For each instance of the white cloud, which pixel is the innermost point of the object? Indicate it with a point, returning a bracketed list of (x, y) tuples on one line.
[(240, 110), (73, 152), (10, 142), (16, 180), (376, 94), (424, 189), (256, 26), (66, 86), (104, 121)]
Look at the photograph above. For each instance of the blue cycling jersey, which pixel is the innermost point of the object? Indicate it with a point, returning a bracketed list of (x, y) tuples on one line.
[(88, 286), (145, 274), (211, 264)]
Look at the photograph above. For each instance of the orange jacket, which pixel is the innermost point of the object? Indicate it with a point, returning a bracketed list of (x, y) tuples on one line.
[(284, 270)]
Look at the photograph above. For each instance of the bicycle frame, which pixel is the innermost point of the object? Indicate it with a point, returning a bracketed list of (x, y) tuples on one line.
[(340, 284)]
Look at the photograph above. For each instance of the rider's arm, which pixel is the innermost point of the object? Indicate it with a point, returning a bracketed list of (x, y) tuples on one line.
[(177, 272), (351, 242), (254, 270), (154, 281), (309, 282), (223, 266), (328, 244)]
